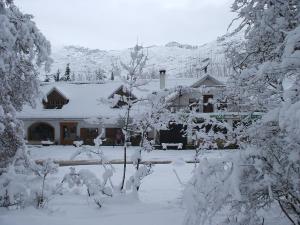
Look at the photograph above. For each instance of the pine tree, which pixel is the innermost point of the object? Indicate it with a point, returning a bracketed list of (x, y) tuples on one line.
[(57, 76), (67, 73), (100, 74), (112, 77)]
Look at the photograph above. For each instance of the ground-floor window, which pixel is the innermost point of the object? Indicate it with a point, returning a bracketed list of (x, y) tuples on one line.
[(114, 136), (88, 135), (41, 132)]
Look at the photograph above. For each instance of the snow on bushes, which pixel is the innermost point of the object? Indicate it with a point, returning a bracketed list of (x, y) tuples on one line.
[(211, 189), (95, 188), (24, 186)]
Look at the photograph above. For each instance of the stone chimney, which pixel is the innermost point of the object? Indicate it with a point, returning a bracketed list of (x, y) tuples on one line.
[(162, 78)]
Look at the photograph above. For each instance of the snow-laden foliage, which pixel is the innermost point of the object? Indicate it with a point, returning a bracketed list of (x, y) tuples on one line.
[(143, 124), (269, 74), (27, 185), (43, 191), (210, 190), (134, 181), (23, 50), (266, 78), (134, 69), (96, 188), (268, 55)]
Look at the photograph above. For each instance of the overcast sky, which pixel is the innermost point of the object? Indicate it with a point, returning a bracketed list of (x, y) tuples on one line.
[(117, 24)]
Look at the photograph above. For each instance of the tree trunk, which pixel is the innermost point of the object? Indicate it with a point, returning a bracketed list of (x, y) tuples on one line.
[(124, 166)]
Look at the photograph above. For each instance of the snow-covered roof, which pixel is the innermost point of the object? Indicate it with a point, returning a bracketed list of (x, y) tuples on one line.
[(85, 99), (207, 80)]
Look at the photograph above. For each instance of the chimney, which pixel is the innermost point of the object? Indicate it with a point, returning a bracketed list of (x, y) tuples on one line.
[(162, 77)]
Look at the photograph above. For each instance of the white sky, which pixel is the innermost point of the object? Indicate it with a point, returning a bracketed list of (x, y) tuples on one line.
[(117, 24)]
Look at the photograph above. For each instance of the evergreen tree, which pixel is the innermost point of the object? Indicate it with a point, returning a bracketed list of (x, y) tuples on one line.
[(100, 74), (57, 76), (112, 77), (67, 76)]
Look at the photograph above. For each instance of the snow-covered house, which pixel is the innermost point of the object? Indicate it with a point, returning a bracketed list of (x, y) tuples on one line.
[(67, 111), (205, 96)]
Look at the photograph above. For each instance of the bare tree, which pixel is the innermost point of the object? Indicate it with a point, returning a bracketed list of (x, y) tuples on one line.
[(134, 70)]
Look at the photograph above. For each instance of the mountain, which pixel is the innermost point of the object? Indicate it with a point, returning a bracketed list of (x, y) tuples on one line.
[(180, 60)]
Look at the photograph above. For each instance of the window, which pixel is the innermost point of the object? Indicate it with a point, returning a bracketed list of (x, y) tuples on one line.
[(194, 104), (88, 135), (40, 132)]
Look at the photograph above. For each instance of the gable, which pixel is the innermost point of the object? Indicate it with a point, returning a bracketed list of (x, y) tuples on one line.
[(207, 81), (55, 99)]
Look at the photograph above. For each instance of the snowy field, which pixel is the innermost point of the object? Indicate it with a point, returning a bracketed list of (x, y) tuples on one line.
[(159, 204), (159, 201), (116, 153), (159, 197)]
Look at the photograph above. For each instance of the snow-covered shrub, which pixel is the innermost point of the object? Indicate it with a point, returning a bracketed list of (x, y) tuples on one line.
[(134, 181), (96, 188), (23, 186), (14, 189), (43, 191), (211, 189)]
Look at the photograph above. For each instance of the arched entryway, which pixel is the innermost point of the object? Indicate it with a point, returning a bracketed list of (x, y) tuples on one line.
[(40, 132)]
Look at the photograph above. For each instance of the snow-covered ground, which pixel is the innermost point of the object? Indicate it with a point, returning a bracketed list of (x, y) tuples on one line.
[(159, 203), (159, 196), (116, 153)]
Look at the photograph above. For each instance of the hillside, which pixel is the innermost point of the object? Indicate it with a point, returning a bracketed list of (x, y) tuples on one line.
[(180, 60)]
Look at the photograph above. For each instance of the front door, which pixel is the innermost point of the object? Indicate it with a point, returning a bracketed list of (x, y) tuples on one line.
[(68, 133), (208, 107)]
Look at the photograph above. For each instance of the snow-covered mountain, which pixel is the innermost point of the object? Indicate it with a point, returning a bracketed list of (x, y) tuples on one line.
[(180, 60)]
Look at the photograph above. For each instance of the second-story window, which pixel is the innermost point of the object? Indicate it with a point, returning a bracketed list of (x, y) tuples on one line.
[(55, 100)]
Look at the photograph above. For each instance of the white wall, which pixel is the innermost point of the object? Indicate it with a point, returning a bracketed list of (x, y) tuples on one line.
[(55, 123)]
